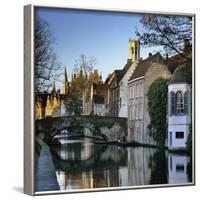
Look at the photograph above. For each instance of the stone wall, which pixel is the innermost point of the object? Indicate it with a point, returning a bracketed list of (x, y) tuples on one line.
[(110, 128)]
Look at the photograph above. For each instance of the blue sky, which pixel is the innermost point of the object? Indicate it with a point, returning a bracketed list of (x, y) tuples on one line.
[(103, 35)]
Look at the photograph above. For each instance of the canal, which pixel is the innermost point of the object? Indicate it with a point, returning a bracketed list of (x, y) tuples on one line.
[(81, 164)]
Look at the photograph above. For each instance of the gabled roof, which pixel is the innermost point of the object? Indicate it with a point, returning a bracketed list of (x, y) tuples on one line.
[(144, 65), (177, 60), (118, 74), (125, 69)]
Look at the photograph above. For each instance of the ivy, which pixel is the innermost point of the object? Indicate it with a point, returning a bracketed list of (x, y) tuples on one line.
[(157, 105)]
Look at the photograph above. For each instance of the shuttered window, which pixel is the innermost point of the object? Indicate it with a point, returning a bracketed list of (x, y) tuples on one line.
[(172, 103), (186, 99)]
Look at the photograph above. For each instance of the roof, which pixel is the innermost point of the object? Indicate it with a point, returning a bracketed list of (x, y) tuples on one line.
[(125, 69), (183, 74), (144, 65), (100, 88), (118, 74), (177, 60)]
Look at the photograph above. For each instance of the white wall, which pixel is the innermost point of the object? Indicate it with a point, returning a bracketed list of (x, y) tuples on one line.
[(178, 142), (11, 148), (177, 123), (123, 91), (177, 175)]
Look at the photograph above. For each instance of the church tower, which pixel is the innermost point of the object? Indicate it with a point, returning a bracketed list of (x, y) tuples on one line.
[(134, 50), (65, 84)]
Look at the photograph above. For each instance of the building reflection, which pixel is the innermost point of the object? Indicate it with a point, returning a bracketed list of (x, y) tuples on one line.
[(81, 164), (177, 168), (139, 165)]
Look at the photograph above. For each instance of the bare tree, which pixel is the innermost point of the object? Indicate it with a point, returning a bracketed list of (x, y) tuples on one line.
[(170, 32), (46, 65), (87, 65)]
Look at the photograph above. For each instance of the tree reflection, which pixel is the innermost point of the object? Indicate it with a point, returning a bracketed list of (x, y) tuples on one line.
[(159, 170)]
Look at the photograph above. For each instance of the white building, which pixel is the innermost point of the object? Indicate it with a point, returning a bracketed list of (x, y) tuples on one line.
[(123, 90), (179, 104), (133, 59), (177, 169)]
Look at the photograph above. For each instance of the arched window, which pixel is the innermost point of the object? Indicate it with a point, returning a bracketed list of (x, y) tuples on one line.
[(132, 49), (186, 101), (179, 102), (172, 103)]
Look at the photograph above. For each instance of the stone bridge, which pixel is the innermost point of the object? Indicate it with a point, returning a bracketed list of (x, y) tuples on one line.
[(106, 157), (109, 128)]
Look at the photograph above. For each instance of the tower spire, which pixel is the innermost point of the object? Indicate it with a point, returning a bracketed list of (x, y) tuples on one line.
[(65, 75), (65, 84), (54, 87)]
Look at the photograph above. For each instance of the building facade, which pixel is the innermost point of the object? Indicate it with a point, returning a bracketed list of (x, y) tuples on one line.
[(146, 72), (113, 100), (134, 57), (94, 96), (179, 107), (117, 104), (54, 103)]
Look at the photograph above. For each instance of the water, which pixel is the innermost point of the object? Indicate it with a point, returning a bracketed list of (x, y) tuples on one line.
[(81, 164)]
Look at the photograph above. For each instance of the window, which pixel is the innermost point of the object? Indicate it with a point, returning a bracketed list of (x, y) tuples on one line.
[(131, 92), (179, 102), (179, 135), (138, 130), (132, 49), (130, 113), (133, 112), (186, 96), (137, 110), (180, 168), (119, 102)]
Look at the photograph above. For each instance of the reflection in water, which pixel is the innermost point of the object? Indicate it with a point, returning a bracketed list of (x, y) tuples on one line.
[(177, 165), (81, 164)]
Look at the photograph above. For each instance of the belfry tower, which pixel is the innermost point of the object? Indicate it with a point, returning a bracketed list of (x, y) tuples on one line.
[(65, 84), (134, 50)]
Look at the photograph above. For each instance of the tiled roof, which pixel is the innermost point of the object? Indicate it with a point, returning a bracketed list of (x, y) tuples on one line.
[(177, 60), (118, 74), (144, 65)]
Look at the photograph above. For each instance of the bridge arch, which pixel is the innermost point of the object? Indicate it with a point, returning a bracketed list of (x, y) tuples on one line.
[(110, 128)]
